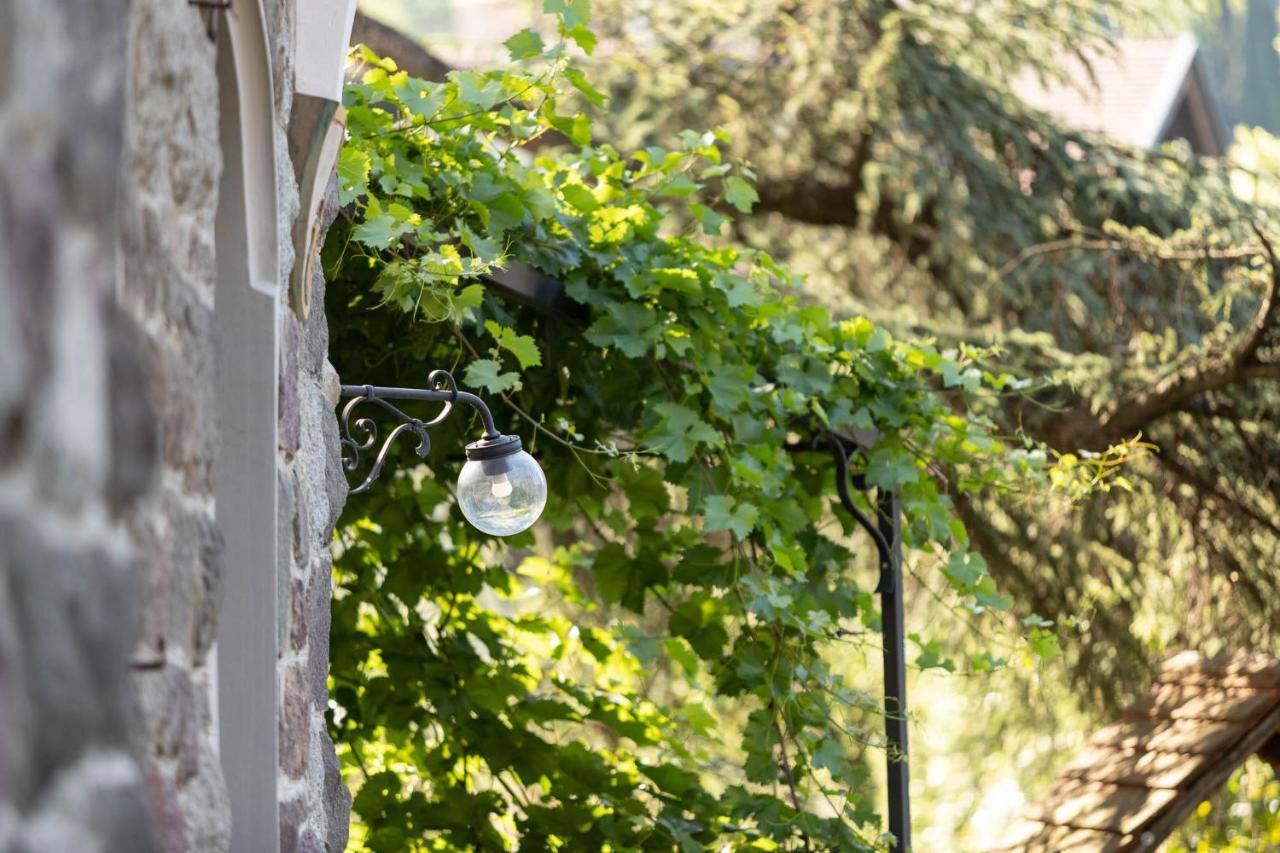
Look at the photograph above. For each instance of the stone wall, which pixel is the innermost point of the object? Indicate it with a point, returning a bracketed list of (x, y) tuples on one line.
[(77, 447), (110, 552), (315, 804), (169, 198)]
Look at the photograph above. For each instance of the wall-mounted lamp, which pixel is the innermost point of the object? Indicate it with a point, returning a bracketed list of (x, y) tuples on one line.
[(501, 489)]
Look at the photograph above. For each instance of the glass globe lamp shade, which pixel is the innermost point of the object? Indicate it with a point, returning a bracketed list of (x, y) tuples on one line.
[(501, 489)]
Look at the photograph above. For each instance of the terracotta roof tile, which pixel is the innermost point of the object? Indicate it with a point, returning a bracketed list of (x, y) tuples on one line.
[(1202, 701), (1172, 748), (1247, 669), (1032, 836), (1135, 767), (1193, 736), (1097, 805)]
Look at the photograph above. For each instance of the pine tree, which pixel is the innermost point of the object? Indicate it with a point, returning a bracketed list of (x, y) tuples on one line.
[(899, 169)]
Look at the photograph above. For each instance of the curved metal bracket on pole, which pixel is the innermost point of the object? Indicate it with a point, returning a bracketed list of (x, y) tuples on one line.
[(445, 391), (887, 535), (883, 548)]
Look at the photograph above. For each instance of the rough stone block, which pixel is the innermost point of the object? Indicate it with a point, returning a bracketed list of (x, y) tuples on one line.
[(293, 815), (172, 715), (322, 481), (161, 792), (297, 614), (88, 163), (24, 311), (74, 698), (337, 799), (148, 267), (295, 724), (335, 475), (315, 345), (69, 448), (180, 574), (96, 805), (148, 530), (133, 447), (173, 132), (319, 617), (180, 380), (284, 553), (194, 551), (290, 416), (302, 528), (206, 812)]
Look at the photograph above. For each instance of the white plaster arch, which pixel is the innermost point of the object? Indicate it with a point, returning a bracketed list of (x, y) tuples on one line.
[(247, 307), (322, 35), (247, 245), (249, 125)]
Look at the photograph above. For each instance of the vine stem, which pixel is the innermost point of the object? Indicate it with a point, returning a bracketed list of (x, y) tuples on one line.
[(575, 449), (791, 779), (355, 751)]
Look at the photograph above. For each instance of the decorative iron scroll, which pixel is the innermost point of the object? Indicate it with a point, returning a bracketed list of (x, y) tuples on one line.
[(359, 436)]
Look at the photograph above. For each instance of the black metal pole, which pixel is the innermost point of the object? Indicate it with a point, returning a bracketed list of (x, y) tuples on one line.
[(893, 629), (887, 535)]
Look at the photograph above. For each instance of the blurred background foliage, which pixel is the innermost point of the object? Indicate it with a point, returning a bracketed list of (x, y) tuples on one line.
[(898, 171)]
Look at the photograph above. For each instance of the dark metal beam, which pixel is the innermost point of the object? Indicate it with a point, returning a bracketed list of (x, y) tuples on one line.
[(525, 285)]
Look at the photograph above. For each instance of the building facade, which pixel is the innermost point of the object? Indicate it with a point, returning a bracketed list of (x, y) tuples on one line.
[(169, 465)]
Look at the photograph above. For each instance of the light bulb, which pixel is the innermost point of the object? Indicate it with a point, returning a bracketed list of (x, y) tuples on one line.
[(501, 489)]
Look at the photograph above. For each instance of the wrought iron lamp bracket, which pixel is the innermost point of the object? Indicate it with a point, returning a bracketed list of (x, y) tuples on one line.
[(360, 436)]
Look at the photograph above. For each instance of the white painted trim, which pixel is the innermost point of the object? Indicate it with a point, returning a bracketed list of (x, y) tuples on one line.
[(327, 159), (322, 34), (247, 352), (1164, 99), (314, 181)]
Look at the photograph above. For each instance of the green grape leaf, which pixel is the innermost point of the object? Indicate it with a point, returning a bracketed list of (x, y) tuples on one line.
[(478, 91), (629, 327), (722, 512), (353, 174), (522, 347), (487, 374), (739, 193), (892, 468), (681, 432), (583, 85), (580, 197), (583, 36), (711, 222), (1043, 643), (574, 12), (524, 44)]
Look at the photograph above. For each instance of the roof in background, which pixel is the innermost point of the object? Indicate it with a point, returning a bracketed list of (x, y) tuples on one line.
[(1134, 94), (1148, 91), (1170, 751)]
